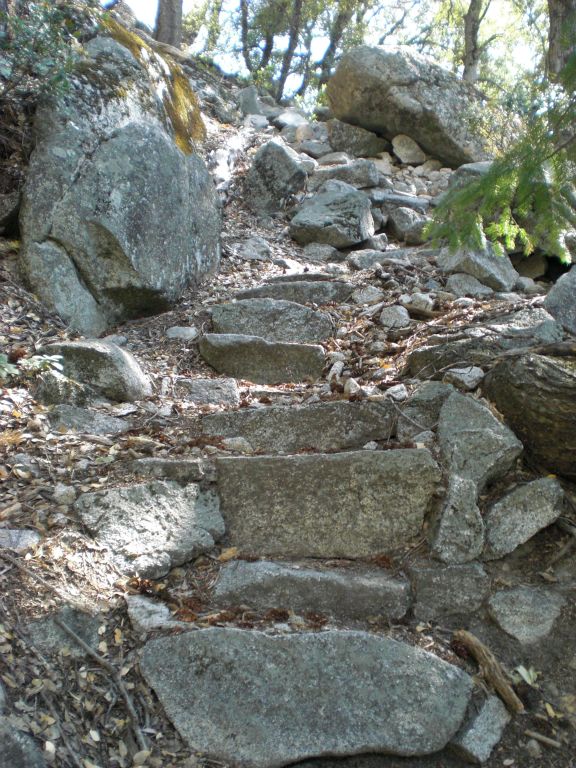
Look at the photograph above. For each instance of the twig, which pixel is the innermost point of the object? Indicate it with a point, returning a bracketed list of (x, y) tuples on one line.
[(544, 739), (113, 672), (490, 669)]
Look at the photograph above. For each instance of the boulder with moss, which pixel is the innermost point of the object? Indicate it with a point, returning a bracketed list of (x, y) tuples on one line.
[(119, 212)]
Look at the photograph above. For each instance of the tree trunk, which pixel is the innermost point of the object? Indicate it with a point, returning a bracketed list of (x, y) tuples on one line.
[(473, 18), (169, 22), (561, 35), (293, 36), (343, 18)]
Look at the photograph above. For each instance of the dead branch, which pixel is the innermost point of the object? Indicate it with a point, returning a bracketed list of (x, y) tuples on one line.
[(490, 669)]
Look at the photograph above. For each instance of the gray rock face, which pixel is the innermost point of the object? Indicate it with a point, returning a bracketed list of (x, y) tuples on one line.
[(70, 417), (326, 505), (482, 731), (320, 426), (560, 301), (261, 361), (358, 173), (465, 379), (521, 514), (442, 591), (469, 172), (459, 536), (423, 409), (484, 342), (490, 269), (17, 749), (344, 137), (394, 318), (18, 539), (210, 391), (263, 701), (48, 637), (465, 285), (352, 593), (338, 215), (111, 232), (277, 173), (272, 319), (366, 258), (536, 396), (152, 527), (105, 368), (407, 150), (394, 91), (526, 613), (302, 291), (408, 225), (473, 443)]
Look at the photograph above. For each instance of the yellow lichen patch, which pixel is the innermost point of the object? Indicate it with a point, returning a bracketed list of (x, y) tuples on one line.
[(183, 110), (178, 99)]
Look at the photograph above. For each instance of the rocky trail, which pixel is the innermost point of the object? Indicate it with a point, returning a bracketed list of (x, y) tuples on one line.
[(283, 521)]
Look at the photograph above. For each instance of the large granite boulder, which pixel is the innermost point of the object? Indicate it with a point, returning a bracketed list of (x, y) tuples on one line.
[(561, 301), (536, 394), (119, 213), (250, 699), (392, 91)]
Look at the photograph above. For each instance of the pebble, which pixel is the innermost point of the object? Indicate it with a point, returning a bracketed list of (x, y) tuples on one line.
[(186, 333)]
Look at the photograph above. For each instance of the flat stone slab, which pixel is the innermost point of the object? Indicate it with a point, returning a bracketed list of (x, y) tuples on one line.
[(351, 593), (320, 426), (473, 443), (261, 701), (272, 319), (152, 527), (526, 613), (181, 470), (521, 514), (326, 505), (459, 534), (302, 291), (210, 391), (259, 360), (72, 418)]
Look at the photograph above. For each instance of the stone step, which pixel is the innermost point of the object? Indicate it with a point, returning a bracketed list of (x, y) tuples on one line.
[(319, 426), (246, 698), (354, 593), (272, 319), (302, 291), (353, 504), (259, 360)]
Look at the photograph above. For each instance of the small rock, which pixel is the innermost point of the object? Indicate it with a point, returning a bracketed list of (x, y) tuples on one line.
[(408, 225), (237, 445), (398, 393), (407, 150), (442, 591), (344, 137), (394, 317), (466, 379), (526, 613), (301, 291), (459, 536), (494, 271), (521, 514), (528, 286), (64, 494), (367, 295), (351, 387), (533, 749), (18, 539), (465, 285), (421, 301), (147, 614), (47, 636), (321, 252), (186, 333), (71, 418), (482, 731)]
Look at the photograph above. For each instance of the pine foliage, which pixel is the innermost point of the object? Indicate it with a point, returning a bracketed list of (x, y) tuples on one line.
[(527, 199)]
